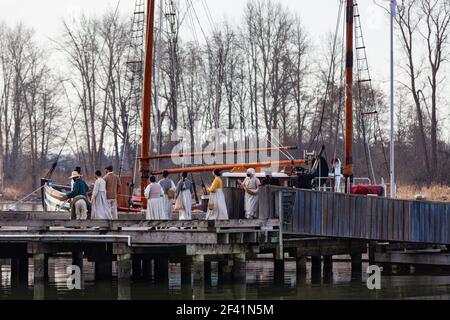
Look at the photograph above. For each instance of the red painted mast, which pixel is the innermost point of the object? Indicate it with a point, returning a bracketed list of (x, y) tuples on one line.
[(147, 99), (348, 168)]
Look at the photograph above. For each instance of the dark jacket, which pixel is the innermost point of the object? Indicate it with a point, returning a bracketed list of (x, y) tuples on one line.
[(80, 188)]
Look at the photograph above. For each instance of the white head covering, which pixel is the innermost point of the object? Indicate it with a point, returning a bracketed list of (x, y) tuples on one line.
[(251, 171)]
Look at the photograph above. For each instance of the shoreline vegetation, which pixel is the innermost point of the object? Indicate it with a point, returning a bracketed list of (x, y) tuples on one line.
[(439, 193)]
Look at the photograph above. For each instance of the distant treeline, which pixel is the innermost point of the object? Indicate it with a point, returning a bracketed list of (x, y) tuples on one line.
[(267, 71)]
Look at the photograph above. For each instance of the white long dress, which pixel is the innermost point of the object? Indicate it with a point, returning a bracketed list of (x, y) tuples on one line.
[(186, 211), (251, 201), (155, 207), (100, 206), (219, 212), (167, 203), (337, 176)]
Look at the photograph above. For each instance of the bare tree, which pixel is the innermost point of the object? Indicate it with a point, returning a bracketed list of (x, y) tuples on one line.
[(408, 22), (437, 20)]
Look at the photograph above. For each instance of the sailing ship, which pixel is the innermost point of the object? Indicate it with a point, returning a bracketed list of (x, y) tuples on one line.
[(289, 170)]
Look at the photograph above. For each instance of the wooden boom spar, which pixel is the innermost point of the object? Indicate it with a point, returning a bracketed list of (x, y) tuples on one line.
[(223, 167), (215, 153)]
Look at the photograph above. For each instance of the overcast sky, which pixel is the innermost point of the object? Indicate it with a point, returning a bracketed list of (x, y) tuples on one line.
[(319, 18)]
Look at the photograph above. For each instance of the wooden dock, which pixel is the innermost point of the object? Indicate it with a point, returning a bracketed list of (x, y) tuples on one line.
[(336, 215), (292, 223)]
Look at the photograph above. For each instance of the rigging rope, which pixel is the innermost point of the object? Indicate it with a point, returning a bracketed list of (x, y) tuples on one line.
[(330, 72), (277, 142), (135, 47), (23, 199), (341, 91)]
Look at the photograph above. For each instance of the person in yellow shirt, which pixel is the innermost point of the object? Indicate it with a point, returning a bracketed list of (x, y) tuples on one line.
[(217, 207)]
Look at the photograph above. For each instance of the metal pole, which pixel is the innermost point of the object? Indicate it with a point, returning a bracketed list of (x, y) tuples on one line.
[(392, 137)]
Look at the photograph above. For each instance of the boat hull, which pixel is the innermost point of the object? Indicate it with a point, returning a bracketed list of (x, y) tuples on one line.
[(52, 191)]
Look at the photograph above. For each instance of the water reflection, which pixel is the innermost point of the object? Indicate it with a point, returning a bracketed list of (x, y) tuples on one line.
[(24, 206), (259, 285)]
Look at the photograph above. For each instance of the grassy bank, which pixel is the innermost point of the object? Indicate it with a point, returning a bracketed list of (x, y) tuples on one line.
[(433, 193)]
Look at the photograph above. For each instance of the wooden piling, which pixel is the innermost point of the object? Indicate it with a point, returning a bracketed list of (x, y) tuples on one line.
[(220, 272), (103, 269), (316, 269), (136, 266), (239, 267), (371, 252), (124, 266), (123, 290), (77, 260), (147, 269), (19, 271), (198, 269), (328, 269), (278, 271), (40, 264), (300, 262), (356, 263), (207, 270), (185, 269), (161, 269), (124, 272)]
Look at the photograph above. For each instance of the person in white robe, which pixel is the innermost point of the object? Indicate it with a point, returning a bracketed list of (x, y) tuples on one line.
[(251, 186), (169, 189), (154, 194), (337, 165), (184, 191), (217, 207), (100, 206)]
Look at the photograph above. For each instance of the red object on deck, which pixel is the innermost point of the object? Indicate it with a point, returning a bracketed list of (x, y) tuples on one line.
[(367, 189)]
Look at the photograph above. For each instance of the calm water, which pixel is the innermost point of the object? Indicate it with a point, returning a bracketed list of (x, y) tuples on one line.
[(259, 284), (28, 206)]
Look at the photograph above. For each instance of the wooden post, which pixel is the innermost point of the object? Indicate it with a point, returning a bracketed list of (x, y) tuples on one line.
[(186, 268), (40, 262), (147, 269), (136, 268), (207, 269), (198, 269), (19, 271), (225, 271), (316, 269), (278, 271), (39, 290), (328, 269), (103, 269), (124, 270), (220, 272), (162, 270), (124, 267), (239, 267), (300, 262), (39, 266), (77, 260), (356, 266), (371, 251), (280, 249)]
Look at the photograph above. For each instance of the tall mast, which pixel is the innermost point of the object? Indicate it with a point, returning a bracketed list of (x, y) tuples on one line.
[(147, 98), (348, 168)]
